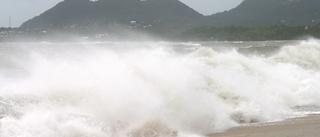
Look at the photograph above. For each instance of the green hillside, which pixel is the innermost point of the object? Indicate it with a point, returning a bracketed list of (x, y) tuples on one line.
[(144, 13), (267, 12)]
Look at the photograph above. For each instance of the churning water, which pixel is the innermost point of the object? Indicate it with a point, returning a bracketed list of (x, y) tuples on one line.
[(135, 89)]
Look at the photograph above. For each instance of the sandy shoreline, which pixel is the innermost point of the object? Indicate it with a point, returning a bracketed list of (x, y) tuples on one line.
[(308, 126)]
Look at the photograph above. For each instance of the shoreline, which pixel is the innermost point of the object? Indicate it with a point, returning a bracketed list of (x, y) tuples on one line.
[(308, 126)]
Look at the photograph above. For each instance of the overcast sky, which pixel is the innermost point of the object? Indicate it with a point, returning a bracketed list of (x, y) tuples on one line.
[(22, 10)]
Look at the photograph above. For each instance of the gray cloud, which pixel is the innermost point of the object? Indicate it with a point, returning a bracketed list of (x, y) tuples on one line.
[(22, 10)]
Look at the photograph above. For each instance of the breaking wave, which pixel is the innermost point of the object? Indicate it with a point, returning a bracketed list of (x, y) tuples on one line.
[(108, 89)]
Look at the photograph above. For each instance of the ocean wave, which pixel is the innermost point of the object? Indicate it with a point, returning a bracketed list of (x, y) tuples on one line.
[(149, 88)]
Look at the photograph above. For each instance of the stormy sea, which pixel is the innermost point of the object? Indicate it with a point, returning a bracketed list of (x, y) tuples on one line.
[(153, 89)]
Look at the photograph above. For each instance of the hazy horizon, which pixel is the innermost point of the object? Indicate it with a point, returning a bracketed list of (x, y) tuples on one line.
[(22, 10)]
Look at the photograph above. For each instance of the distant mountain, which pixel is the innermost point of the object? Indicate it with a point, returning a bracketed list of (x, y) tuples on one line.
[(137, 13), (164, 18), (266, 12)]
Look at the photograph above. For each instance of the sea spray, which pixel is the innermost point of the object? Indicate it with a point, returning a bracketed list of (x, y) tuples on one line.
[(105, 89)]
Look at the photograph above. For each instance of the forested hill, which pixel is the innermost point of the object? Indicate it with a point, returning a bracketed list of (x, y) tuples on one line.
[(102, 12), (173, 12), (172, 18), (266, 12)]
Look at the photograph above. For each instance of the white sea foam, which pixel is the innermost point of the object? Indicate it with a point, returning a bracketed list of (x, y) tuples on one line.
[(149, 89)]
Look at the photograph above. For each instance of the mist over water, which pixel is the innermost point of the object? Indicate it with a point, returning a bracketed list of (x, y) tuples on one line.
[(124, 89)]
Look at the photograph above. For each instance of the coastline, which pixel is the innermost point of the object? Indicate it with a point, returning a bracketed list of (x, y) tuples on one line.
[(308, 126)]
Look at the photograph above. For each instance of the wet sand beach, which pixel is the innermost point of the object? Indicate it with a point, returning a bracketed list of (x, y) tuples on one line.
[(308, 126)]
